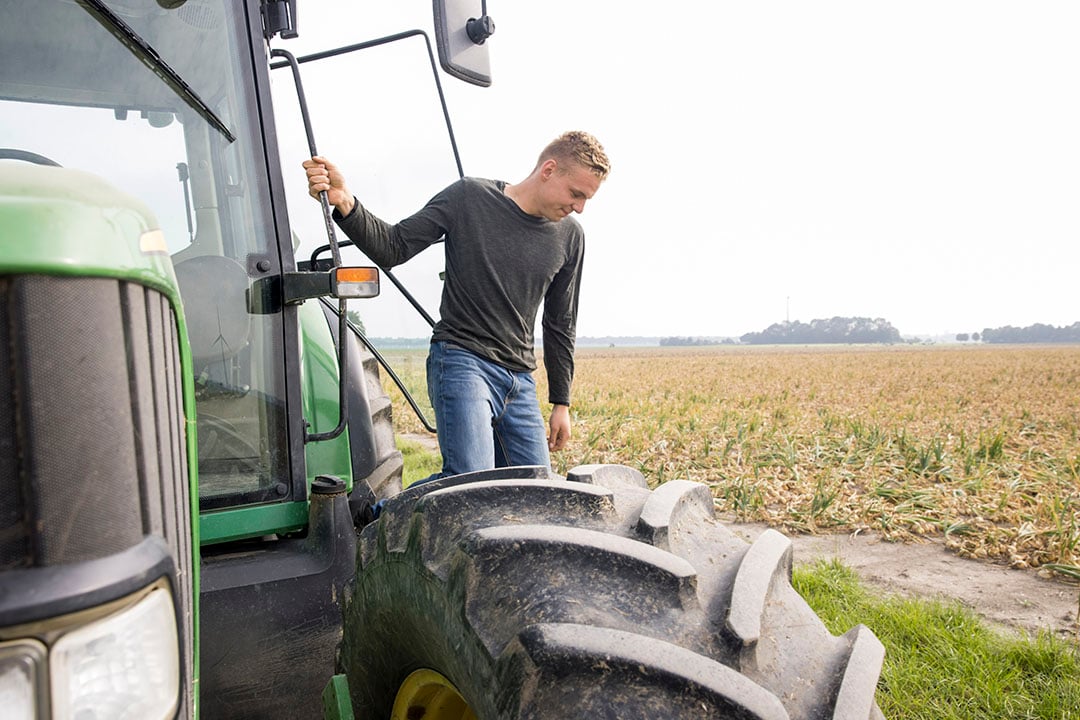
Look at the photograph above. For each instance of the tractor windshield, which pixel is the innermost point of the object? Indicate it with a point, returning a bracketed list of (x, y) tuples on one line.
[(150, 97)]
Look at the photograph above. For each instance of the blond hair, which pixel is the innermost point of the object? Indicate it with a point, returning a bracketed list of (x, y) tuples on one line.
[(580, 147)]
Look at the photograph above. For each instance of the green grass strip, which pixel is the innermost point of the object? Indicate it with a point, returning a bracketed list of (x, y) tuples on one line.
[(941, 661)]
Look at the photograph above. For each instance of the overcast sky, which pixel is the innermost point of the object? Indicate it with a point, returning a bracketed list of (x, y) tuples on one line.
[(917, 161)]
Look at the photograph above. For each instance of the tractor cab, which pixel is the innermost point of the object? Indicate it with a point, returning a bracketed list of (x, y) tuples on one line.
[(138, 149)]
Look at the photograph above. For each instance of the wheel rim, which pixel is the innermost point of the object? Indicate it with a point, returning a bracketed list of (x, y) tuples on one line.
[(427, 694)]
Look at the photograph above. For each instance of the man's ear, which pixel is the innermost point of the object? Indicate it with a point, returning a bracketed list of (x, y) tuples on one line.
[(548, 168)]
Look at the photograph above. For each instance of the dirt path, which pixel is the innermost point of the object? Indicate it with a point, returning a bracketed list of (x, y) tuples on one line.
[(1017, 599)]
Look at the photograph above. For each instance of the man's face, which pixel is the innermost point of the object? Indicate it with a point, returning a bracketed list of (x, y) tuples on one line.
[(567, 187)]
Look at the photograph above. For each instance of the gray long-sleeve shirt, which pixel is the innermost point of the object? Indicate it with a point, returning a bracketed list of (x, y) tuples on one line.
[(500, 264)]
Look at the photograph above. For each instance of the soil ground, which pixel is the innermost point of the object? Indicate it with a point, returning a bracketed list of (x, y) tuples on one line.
[(1016, 599), (1019, 600)]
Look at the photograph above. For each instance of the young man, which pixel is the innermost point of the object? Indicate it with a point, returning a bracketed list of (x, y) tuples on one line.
[(508, 247)]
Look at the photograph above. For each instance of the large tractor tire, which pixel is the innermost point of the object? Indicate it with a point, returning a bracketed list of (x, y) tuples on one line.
[(516, 594)]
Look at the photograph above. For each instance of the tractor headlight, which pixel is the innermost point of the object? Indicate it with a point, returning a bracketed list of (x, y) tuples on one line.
[(22, 664), (126, 665)]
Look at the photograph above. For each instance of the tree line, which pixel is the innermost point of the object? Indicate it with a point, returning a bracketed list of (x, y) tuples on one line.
[(1037, 333), (831, 330)]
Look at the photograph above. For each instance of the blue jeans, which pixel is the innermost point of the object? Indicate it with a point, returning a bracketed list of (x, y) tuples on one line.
[(487, 416)]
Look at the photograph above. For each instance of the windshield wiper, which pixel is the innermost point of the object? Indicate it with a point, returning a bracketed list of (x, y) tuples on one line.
[(149, 57)]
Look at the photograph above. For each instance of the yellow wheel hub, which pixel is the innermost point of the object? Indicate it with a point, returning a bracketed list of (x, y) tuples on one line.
[(427, 695)]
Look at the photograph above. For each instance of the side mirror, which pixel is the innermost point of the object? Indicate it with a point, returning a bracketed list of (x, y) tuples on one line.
[(461, 29)]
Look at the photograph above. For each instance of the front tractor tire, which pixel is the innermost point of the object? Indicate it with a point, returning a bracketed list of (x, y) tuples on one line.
[(514, 593)]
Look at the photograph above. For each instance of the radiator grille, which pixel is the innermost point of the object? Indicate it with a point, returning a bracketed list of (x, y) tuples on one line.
[(91, 422)]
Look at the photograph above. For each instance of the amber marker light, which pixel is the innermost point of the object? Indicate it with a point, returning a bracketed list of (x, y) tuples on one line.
[(356, 282)]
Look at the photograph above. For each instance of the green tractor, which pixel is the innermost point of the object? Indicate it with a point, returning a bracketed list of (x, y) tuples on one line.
[(193, 437)]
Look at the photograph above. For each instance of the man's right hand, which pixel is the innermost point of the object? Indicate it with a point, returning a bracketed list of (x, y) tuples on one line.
[(324, 175)]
